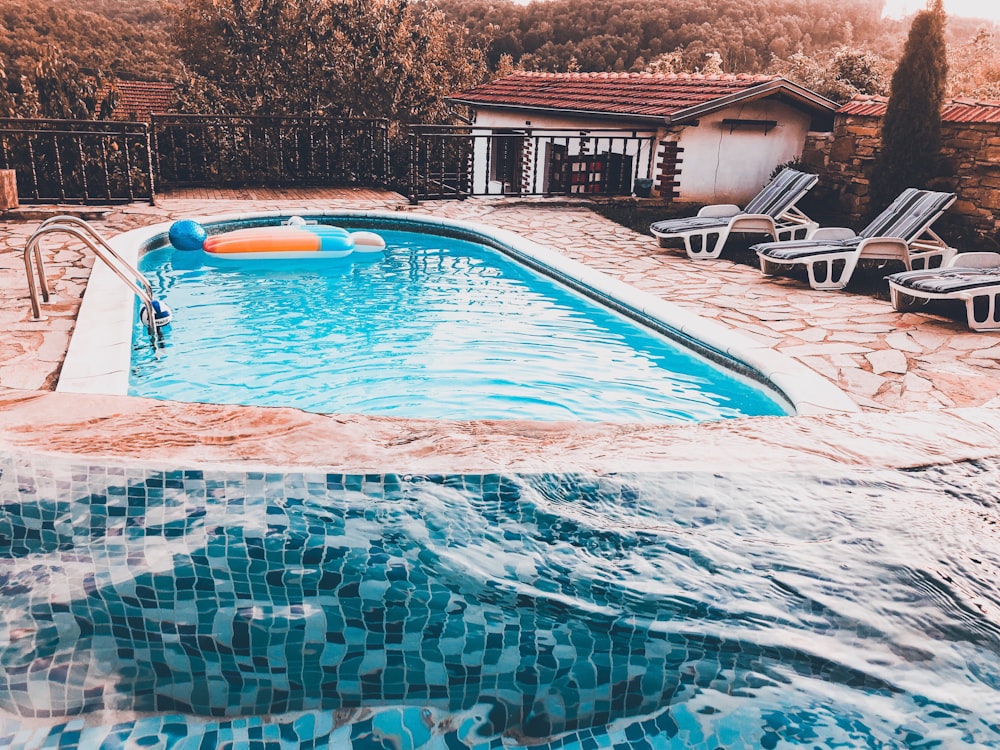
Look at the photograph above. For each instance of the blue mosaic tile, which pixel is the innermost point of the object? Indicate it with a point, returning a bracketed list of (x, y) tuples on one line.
[(210, 609)]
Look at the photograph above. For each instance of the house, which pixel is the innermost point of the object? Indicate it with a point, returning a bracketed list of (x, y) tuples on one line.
[(136, 100), (700, 138)]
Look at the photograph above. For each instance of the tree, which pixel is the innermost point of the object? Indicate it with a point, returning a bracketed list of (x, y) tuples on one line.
[(976, 69), (911, 130), (58, 90), (712, 65), (345, 58), (691, 60), (8, 105), (667, 62), (126, 39), (839, 76), (606, 35)]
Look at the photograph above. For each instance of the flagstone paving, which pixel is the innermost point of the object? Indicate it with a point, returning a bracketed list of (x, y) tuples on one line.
[(883, 359)]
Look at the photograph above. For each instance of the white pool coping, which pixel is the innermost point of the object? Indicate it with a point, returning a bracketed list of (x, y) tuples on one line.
[(99, 356)]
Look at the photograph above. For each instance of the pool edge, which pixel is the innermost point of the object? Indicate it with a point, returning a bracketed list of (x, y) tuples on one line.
[(174, 435)]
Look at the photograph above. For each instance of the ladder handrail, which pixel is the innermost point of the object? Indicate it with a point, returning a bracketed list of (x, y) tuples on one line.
[(78, 222), (83, 231)]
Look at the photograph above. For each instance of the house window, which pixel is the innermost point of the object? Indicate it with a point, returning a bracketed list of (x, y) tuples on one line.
[(734, 123), (505, 157)]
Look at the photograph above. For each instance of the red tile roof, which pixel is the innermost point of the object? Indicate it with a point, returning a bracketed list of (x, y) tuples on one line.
[(956, 110), (137, 99), (641, 95)]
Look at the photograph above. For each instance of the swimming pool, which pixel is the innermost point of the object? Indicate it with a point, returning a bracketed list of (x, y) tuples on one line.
[(99, 357), (434, 327), (214, 607)]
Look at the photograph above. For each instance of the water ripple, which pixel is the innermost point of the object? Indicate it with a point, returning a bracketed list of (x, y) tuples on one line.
[(677, 608)]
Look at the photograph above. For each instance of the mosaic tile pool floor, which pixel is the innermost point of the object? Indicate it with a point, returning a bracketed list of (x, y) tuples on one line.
[(209, 608)]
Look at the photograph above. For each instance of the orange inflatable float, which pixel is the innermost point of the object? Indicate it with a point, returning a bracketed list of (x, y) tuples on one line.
[(294, 239)]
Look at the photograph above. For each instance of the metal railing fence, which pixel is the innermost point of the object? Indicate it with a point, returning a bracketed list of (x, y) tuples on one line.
[(73, 161), (465, 161), (229, 151), (92, 162), (100, 162)]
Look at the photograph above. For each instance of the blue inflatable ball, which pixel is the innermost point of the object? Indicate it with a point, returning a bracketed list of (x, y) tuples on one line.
[(187, 234), (161, 314)]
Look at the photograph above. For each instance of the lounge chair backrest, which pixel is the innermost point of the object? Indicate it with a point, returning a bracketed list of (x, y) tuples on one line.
[(781, 193), (909, 215)]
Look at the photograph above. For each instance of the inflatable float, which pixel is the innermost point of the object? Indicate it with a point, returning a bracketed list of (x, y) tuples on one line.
[(294, 239)]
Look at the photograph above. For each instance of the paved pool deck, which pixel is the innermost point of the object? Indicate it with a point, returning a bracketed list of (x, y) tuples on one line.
[(922, 377)]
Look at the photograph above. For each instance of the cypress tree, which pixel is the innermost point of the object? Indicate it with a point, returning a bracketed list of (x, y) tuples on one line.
[(911, 130)]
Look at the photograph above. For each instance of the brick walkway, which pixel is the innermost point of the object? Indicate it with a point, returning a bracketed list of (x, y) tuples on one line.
[(886, 361)]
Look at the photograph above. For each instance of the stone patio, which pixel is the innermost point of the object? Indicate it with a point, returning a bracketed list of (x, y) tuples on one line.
[(888, 362)]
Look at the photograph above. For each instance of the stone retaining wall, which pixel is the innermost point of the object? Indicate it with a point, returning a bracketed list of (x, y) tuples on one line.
[(971, 161), (972, 152)]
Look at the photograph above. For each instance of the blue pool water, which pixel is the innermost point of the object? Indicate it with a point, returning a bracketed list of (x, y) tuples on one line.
[(435, 327), (222, 609)]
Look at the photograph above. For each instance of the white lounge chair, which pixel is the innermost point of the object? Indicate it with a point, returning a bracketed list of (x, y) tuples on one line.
[(973, 278), (772, 212), (901, 232)]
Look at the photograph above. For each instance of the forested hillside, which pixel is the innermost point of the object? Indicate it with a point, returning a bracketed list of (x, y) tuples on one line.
[(125, 37), (599, 35), (838, 49)]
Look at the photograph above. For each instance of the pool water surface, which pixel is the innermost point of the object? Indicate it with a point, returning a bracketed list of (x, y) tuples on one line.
[(434, 327)]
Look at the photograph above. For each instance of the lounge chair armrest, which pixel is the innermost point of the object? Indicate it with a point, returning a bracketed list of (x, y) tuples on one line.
[(975, 260), (719, 210), (754, 223), (833, 233), (923, 254), (885, 248)]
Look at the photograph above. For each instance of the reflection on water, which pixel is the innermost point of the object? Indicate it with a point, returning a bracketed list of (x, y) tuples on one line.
[(203, 608)]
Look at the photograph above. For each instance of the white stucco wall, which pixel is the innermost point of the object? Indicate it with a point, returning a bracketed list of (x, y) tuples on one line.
[(719, 166)]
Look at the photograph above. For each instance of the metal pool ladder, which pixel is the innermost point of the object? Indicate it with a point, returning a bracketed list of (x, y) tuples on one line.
[(80, 229)]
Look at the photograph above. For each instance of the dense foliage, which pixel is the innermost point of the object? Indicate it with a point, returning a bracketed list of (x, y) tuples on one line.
[(124, 37), (838, 74), (911, 131), (837, 49), (398, 58), (350, 58), (974, 70), (623, 35)]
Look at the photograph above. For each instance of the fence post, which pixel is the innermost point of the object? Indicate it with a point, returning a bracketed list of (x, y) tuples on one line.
[(8, 189), (412, 137), (153, 157)]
